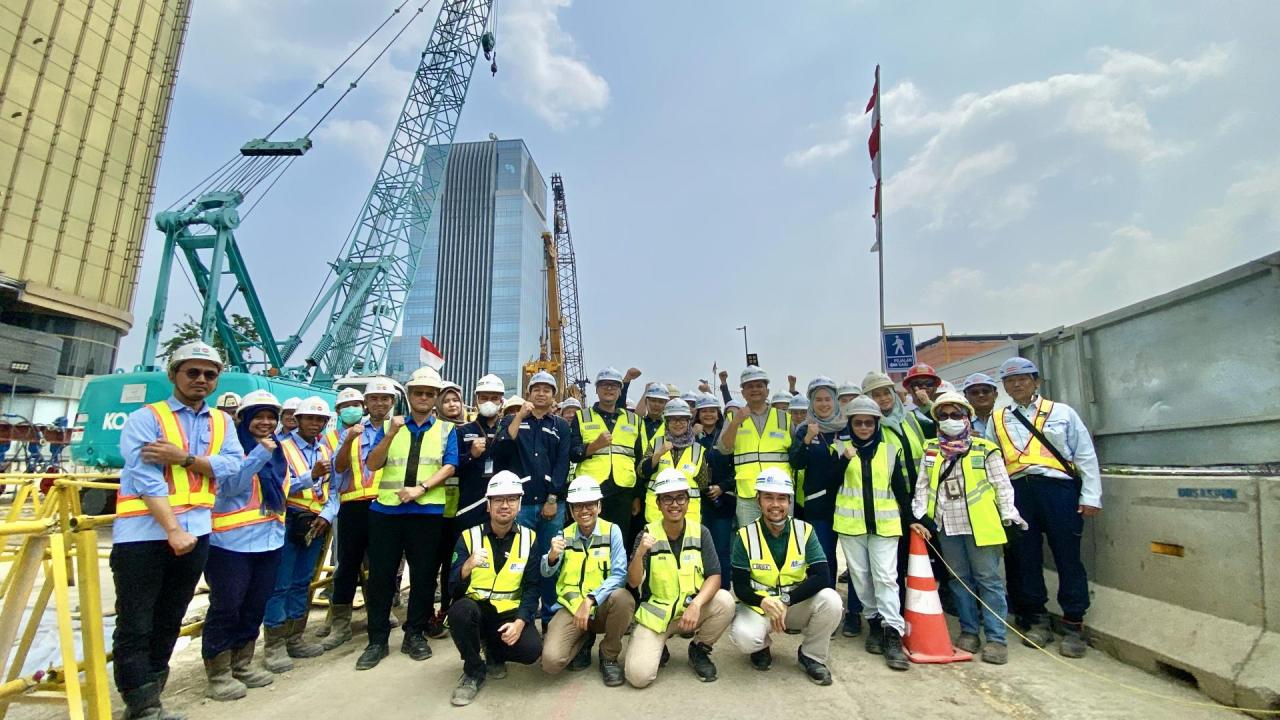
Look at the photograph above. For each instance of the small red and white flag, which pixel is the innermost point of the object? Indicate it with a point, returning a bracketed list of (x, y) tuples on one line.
[(429, 354), (873, 148)]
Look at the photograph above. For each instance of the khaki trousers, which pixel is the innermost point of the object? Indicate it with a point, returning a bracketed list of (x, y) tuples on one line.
[(816, 618), (564, 639), (644, 653)]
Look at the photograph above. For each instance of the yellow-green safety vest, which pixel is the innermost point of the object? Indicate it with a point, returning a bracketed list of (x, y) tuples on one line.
[(187, 488), (911, 442), (618, 459), (500, 588), (1017, 459), (430, 460), (755, 452), (673, 580), (649, 442), (364, 482), (767, 579), (582, 572), (979, 493), (850, 518), (690, 464)]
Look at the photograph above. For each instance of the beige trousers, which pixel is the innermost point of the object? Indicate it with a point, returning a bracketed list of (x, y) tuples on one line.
[(564, 639), (644, 653)]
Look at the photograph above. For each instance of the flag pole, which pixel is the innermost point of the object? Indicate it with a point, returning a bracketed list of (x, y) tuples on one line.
[(876, 148)]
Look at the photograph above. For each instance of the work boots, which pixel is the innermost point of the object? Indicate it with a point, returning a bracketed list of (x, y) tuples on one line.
[(874, 642), (275, 656), (1073, 643), (243, 670), (852, 624), (142, 703), (339, 627), (297, 644), (894, 657), (700, 661), (816, 671), (1040, 633), (161, 678), (222, 686)]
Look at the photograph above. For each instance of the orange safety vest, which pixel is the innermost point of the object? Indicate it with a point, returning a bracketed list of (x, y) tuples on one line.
[(251, 513), (331, 439), (307, 498), (1017, 459), (187, 488), (364, 483)]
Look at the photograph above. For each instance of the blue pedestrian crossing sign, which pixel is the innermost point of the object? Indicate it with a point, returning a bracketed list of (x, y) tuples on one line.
[(899, 348)]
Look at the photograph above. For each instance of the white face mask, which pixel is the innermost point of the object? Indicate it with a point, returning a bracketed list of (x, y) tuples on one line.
[(488, 408), (952, 427)]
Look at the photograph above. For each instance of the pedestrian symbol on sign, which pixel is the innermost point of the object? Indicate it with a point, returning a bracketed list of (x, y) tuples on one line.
[(899, 349), (899, 346)]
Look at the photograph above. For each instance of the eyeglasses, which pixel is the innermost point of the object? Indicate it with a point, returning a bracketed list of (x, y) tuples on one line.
[(197, 373), (864, 423), (505, 500), (956, 415), (922, 384), (581, 507), (673, 499)]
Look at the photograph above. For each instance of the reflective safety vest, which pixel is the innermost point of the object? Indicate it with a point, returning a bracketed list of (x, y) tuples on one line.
[(650, 440), (430, 460), (251, 513), (673, 580), (754, 452), (1017, 459), (618, 459), (333, 439), (979, 493), (767, 579), (910, 440), (187, 488), (310, 498), (582, 572), (364, 482), (850, 517), (502, 587), (690, 464)]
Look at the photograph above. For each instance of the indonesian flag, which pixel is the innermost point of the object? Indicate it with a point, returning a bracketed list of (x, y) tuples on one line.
[(429, 354), (873, 148)]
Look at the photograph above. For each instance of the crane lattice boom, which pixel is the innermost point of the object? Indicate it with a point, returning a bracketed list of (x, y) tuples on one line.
[(570, 321)]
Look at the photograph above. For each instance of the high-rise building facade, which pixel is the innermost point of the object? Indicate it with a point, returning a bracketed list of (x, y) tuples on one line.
[(84, 98), (479, 294)]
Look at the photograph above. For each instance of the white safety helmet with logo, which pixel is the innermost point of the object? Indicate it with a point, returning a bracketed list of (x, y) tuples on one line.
[(258, 399), (848, 387), (752, 373), (798, 402), (195, 351), (381, 386), (863, 405), (780, 397), (583, 489), (676, 408), (349, 395), (571, 402), (291, 404), (669, 481), (314, 406), (707, 400), (657, 391), (542, 377), (774, 480), (228, 400), (504, 484), (609, 374), (425, 377), (491, 383)]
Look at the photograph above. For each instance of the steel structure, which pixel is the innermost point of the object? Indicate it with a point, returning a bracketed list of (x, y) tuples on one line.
[(570, 318)]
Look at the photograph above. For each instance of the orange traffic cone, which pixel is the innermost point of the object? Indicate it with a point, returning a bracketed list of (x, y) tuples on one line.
[(927, 639)]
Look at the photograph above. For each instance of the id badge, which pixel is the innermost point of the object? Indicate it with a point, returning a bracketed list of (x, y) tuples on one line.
[(488, 466), (952, 488)]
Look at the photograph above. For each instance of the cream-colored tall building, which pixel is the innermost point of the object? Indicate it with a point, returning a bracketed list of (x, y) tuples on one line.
[(84, 99)]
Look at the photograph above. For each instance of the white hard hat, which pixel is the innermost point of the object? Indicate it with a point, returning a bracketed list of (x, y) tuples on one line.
[(1017, 366), (348, 395), (774, 480), (583, 489), (707, 400), (977, 379), (195, 351), (656, 390), (691, 398), (504, 483), (863, 405), (228, 400), (950, 398), (450, 385), (425, 377), (542, 377), (734, 404), (876, 380), (751, 374), (780, 397), (676, 408), (669, 481), (822, 381), (798, 402), (514, 401), (380, 386), (490, 383), (609, 374), (314, 406), (292, 403), (848, 387), (257, 399), (571, 402)]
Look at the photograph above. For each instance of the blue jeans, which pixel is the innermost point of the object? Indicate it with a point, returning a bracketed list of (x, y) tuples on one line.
[(721, 529), (1049, 507), (292, 593), (531, 517), (978, 568)]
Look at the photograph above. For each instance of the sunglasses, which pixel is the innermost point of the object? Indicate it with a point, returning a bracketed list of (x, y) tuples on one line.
[(673, 499), (197, 373), (956, 415), (864, 423)]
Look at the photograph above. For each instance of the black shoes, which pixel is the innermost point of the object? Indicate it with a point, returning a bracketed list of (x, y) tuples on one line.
[(371, 656), (700, 661), (874, 642), (762, 659), (582, 660), (611, 672), (415, 646), (816, 671), (894, 657)]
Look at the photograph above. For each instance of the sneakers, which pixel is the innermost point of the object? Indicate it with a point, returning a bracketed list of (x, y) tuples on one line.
[(762, 659), (968, 642), (852, 625), (371, 656), (995, 653), (816, 671), (582, 660), (468, 688), (874, 642), (611, 672), (1073, 643), (415, 646), (894, 657), (700, 661), (1040, 634), (436, 627)]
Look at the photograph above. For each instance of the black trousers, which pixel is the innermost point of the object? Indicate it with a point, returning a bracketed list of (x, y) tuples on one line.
[(416, 538), (616, 508), (153, 588), (240, 584), (449, 533), (353, 543), (474, 625)]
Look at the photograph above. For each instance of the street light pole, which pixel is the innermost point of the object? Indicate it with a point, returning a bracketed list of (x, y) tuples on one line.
[(745, 350)]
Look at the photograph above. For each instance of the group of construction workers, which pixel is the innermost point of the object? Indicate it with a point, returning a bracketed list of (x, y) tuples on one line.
[(539, 525)]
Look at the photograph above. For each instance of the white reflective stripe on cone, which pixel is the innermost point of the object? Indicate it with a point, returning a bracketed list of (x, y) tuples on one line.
[(925, 602), (918, 566)]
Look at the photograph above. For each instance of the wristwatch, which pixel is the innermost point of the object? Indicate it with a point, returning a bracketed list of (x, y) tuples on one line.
[(785, 597), (551, 499), (188, 460)]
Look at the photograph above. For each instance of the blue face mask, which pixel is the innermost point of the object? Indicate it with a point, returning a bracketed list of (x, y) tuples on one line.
[(350, 415)]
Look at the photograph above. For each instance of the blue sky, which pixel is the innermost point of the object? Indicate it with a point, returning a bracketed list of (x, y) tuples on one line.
[(1044, 162)]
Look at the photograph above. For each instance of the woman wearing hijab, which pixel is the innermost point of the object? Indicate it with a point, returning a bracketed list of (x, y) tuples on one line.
[(675, 448), (244, 553), (720, 504), (449, 407), (816, 450), (965, 500)]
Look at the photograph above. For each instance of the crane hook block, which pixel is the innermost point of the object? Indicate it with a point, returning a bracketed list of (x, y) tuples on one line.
[(488, 42)]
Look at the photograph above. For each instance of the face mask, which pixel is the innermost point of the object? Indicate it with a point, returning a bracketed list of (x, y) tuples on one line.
[(350, 415), (489, 408), (952, 427)]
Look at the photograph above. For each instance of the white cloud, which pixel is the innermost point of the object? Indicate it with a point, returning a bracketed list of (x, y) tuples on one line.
[(547, 74), (366, 139)]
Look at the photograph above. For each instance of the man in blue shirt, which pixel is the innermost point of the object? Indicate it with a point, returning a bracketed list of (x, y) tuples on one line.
[(534, 444), (176, 452)]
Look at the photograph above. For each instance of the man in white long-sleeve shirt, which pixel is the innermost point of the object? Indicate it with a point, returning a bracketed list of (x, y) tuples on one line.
[(1052, 497)]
